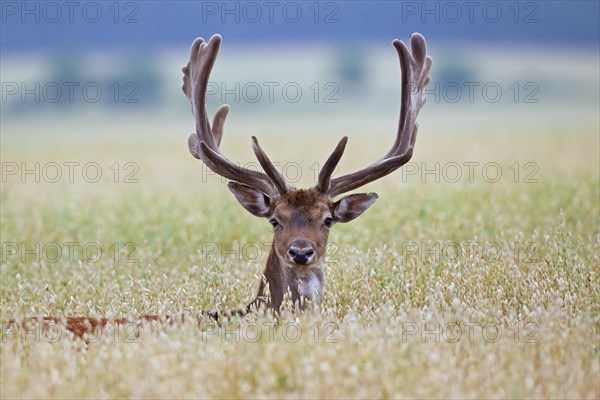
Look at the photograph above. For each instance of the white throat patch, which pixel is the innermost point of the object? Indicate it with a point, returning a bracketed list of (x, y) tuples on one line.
[(309, 284)]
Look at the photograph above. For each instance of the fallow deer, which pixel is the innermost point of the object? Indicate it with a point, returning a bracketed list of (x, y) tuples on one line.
[(301, 218)]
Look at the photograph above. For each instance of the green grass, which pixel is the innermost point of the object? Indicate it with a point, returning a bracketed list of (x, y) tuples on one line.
[(525, 292)]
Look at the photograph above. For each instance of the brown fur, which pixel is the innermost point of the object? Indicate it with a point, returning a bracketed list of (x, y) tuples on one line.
[(81, 326)]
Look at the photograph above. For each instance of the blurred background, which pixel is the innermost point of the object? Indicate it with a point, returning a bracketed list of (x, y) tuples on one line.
[(85, 80)]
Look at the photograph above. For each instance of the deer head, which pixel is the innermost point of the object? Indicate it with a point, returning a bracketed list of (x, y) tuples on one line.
[(301, 218)]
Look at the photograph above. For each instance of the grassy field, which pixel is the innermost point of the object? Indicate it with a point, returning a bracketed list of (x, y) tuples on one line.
[(475, 274), (442, 289)]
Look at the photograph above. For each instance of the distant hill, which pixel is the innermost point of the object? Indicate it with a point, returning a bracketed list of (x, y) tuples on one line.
[(33, 26)]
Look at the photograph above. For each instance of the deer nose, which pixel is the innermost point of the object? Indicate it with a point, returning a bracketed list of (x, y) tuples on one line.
[(301, 252)]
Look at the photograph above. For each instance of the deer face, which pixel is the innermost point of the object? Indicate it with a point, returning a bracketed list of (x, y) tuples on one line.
[(301, 220)]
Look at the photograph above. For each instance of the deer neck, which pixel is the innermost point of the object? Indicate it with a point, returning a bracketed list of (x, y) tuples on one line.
[(302, 282)]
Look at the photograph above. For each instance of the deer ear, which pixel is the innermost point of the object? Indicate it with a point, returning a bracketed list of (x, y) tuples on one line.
[(255, 201), (350, 207)]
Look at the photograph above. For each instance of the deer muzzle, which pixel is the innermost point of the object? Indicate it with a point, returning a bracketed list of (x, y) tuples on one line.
[(301, 252)]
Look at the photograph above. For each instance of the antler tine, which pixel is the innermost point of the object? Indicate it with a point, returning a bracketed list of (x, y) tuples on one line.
[(415, 68), (276, 177), (195, 80), (204, 144), (330, 164), (414, 81)]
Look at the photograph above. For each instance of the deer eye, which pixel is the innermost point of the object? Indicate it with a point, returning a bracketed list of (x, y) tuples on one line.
[(274, 223), (328, 222)]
